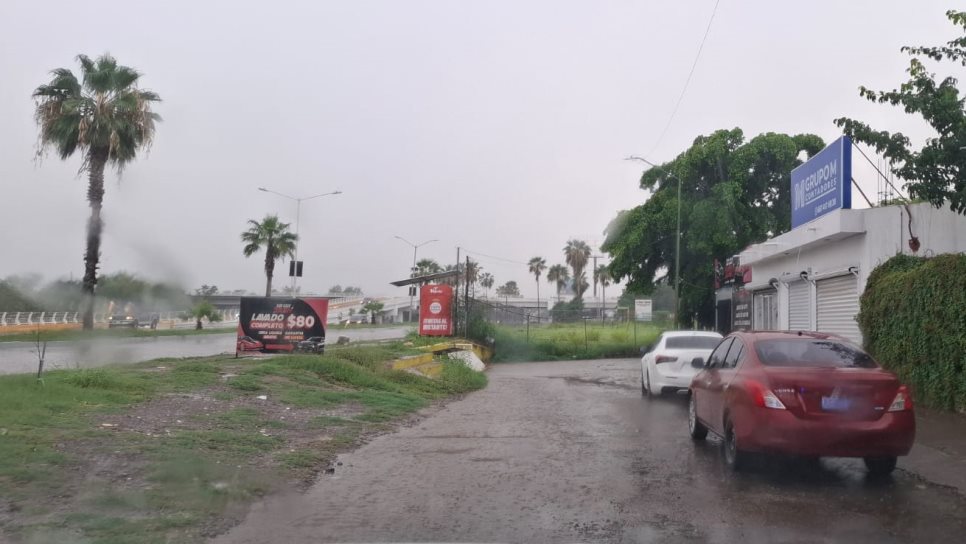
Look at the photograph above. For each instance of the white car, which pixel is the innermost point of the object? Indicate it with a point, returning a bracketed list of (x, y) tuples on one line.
[(674, 359)]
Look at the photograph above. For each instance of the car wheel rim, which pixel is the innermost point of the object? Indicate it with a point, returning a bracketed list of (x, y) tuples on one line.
[(731, 448)]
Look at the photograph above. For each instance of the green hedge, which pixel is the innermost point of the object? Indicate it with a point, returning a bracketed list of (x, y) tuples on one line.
[(913, 319)]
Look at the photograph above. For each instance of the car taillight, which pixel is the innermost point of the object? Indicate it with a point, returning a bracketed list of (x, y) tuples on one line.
[(763, 397), (664, 359), (903, 400)]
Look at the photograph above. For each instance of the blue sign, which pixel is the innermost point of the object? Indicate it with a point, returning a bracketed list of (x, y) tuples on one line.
[(823, 184)]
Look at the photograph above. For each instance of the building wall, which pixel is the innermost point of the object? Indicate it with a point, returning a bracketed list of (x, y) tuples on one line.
[(864, 239)]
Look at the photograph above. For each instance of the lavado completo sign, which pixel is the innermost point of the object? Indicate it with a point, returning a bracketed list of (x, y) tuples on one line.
[(278, 323), (435, 310), (823, 184)]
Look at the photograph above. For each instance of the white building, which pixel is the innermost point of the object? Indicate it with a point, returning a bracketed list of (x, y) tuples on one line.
[(811, 278)]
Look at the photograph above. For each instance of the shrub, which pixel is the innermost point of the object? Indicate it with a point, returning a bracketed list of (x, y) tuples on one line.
[(912, 320)]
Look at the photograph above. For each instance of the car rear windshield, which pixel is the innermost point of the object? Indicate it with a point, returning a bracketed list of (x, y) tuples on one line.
[(692, 342), (812, 352)]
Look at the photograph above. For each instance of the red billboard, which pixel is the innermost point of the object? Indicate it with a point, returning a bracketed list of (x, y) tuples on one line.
[(281, 323), (436, 310)]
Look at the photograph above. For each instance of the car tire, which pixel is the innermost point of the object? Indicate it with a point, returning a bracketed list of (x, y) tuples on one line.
[(880, 466), (696, 429), (643, 387), (734, 458), (647, 385)]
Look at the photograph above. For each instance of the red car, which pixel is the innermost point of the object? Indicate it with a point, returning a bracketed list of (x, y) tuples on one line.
[(801, 393), (247, 343)]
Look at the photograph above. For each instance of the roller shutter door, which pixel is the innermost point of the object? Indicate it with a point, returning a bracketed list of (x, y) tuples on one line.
[(799, 307), (836, 305)]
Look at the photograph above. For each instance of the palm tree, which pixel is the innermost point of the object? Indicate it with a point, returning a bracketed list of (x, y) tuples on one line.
[(486, 282), (537, 266), (107, 119), (427, 266), (577, 253), (274, 237), (603, 277), (560, 275), (473, 270)]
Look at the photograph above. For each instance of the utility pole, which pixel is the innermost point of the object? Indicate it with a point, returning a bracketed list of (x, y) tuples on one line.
[(677, 243), (466, 298), (412, 288)]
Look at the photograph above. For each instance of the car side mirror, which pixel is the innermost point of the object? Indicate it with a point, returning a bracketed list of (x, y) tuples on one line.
[(697, 362)]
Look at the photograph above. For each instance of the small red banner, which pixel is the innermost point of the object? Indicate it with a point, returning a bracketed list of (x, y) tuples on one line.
[(436, 310)]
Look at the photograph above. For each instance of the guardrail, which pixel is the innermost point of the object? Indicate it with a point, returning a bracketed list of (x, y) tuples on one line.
[(16, 319)]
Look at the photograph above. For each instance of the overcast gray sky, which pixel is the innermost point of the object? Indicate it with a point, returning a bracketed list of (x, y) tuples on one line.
[(498, 126)]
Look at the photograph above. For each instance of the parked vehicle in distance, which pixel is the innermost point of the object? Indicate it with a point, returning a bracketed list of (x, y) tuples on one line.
[(357, 319), (122, 320), (247, 343), (669, 362), (148, 319), (314, 344), (801, 393)]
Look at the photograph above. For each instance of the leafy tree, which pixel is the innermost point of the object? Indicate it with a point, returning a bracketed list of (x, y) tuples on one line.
[(290, 291), (207, 290), (937, 171), (335, 290), (577, 253), (508, 289), (602, 277), (559, 275), (486, 282), (734, 193), (350, 291), (272, 236), (204, 310), (373, 307), (13, 299), (107, 119)]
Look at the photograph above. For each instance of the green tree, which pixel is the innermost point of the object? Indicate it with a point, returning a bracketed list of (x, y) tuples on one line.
[(576, 254), (335, 290), (204, 310), (559, 275), (486, 282), (106, 118), (536, 266), (937, 171), (207, 290), (373, 307), (425, 267), (272, 236), (603, 278), (508, 289), (734, 193)]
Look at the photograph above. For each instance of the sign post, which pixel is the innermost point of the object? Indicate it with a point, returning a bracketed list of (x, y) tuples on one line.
[(823, 183), (435, 310), (643, 309)]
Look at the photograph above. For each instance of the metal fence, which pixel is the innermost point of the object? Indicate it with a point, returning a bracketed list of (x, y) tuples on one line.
[(16, 319)]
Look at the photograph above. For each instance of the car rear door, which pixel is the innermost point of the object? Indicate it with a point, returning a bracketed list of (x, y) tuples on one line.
[(701, 387), (723, 376)]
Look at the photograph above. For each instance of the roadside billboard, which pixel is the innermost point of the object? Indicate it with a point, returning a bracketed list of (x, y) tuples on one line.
[(278, 323), (436, 310), (741, 310), (643, 309), (823, 183)]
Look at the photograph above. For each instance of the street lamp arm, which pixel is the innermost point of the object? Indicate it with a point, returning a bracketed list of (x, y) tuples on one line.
[(642, 159), (405, 240), (426, 242), (323, 194), (264, 190)]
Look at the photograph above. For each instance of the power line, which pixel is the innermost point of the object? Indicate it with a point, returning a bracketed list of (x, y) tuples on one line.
[(511, 261), (687, 81)]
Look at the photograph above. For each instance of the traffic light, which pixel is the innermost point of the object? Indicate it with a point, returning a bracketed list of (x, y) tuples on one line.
[(295, 268)]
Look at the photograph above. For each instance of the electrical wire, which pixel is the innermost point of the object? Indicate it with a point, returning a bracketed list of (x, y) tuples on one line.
[(511, 261), (687, 81)]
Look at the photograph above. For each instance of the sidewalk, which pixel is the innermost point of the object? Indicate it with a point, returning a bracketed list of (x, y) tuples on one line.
[(939, 454)]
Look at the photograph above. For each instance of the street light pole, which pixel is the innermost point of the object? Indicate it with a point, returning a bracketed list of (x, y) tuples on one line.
[(298, 217), (413, 270), (677, 243)]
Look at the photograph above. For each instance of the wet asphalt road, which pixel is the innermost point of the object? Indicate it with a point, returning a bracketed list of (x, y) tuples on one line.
[(570, 452), (22, 356)]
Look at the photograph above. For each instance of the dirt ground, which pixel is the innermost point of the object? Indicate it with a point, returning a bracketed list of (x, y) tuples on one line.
[(570, 451)]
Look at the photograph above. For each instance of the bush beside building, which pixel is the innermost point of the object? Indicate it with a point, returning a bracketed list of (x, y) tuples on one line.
[(913, 320)]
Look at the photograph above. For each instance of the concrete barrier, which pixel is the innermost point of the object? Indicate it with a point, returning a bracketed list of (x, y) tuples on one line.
[(429, 365)]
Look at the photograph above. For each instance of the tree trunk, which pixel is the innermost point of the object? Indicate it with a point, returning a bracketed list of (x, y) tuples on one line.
[(269, 271), (198, 326), (95, 196)]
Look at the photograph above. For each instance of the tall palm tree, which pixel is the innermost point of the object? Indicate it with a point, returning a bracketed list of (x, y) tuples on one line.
[(577, 253), (473, 270), (427, 266), (560, 275), (105, 118), (274, 237), (486, 282), (537, 265), (603, 277)]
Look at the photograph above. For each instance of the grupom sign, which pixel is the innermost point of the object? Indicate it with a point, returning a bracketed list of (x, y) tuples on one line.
[(435, 310), (823, 184), (278, 323)]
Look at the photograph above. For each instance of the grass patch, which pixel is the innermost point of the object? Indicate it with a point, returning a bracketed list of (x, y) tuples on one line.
[(571, 341), (188, 471)]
